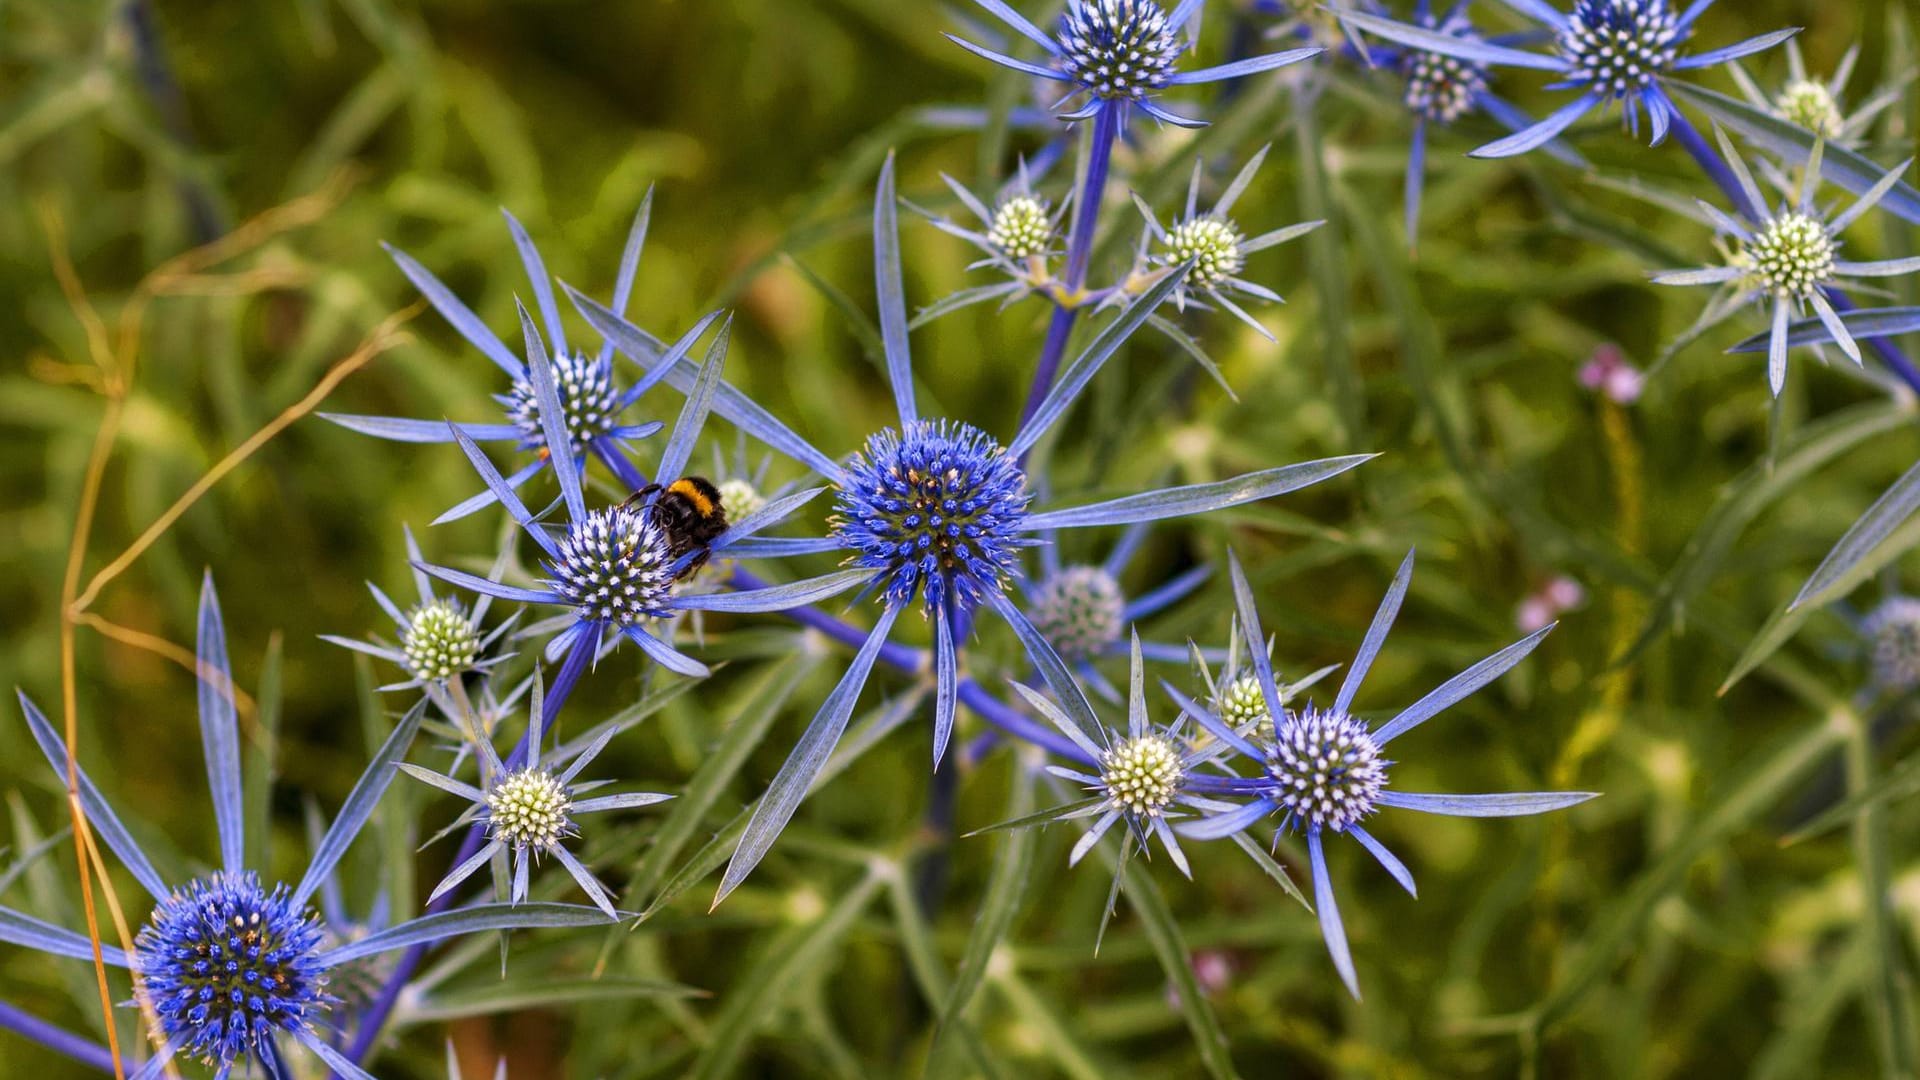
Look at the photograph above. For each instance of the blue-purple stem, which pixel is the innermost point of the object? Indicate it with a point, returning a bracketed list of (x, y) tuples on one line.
[(1086, 221), (56, 1038), (1721, 174)]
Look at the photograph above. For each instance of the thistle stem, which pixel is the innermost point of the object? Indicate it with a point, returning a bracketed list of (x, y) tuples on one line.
[(56, 1038), (1086, 220)]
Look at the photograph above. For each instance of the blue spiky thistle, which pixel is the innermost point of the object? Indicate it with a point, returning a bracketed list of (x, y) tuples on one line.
[(1609, 51), (234, 969), (1323, 770)]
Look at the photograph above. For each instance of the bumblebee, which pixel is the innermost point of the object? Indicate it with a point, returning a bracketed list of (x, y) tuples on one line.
[(689, 511)]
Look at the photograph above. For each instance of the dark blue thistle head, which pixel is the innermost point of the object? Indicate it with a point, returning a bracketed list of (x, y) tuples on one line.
[(941, 506), (588, 402), (1325, 769), (615, 564), (228, 965), (1118, 48), (1444, 88), (1617, 48)]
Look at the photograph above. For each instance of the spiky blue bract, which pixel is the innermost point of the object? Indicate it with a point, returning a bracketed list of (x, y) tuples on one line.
[(229, 964), (936, 511)]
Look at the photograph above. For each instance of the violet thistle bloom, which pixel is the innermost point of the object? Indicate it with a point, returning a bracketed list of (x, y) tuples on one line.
[(1820, 107), (236, 971), (1607, 50), (1324, 770), (1788, 260), (614, 567), (587, 394), (1118, 55), (529, 811), (439, 639), (1211, 244), (1608, 372), (934, 512)]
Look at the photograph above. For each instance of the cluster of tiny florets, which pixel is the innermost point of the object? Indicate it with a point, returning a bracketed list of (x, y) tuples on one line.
[(1893, 633), (1240, 703), (1020, 228), (1326, 769), (1117, 48), (529, 810), (440, 640), (227, 965), (740, 498), (587, 401), (1444, 88), (614, 564), (939, 506), (1792, 257), (1141, 776), (1212, 243), (1079, 610), (1619, 47), (1811, 105)]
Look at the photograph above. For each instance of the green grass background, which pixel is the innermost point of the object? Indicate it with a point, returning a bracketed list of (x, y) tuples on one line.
[(1659, 931)]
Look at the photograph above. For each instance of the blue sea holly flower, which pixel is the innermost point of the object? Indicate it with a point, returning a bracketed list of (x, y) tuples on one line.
[(1119, 55), (1324, 770), (1212, 247), (1818, 106), (1018, 236), (586, 394), (615, 568), (236, 970), (1607, 51), (1235, 695), (529, 810), (1140, 773), (1788, 261), (933, 512), (439, 639)]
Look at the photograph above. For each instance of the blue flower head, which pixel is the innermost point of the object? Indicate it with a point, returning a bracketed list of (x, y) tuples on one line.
[(230, 966), (939, 507), (1892, 633), (236, 971), (1119, 55), (1324, 770), (1610, 51)]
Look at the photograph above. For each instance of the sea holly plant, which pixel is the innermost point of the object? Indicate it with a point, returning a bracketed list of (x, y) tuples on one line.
[(614, 568), (528, 811), (1818, 106), (1608, 52), (934, 513), (1211, 244), (1788, 261), (232, 969), (1323, 771), (440, 641), (585, 394)]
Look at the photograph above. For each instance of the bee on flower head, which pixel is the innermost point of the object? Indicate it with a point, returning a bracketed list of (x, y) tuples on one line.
[(692, 514)]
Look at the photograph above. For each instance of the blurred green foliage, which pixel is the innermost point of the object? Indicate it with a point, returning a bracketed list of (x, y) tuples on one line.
[(1659, 931)]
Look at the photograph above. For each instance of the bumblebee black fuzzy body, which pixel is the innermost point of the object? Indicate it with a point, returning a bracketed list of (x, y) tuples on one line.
[(690, 512)]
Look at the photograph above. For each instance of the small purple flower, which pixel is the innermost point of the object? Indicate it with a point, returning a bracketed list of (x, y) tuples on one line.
[(1609, 373)]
